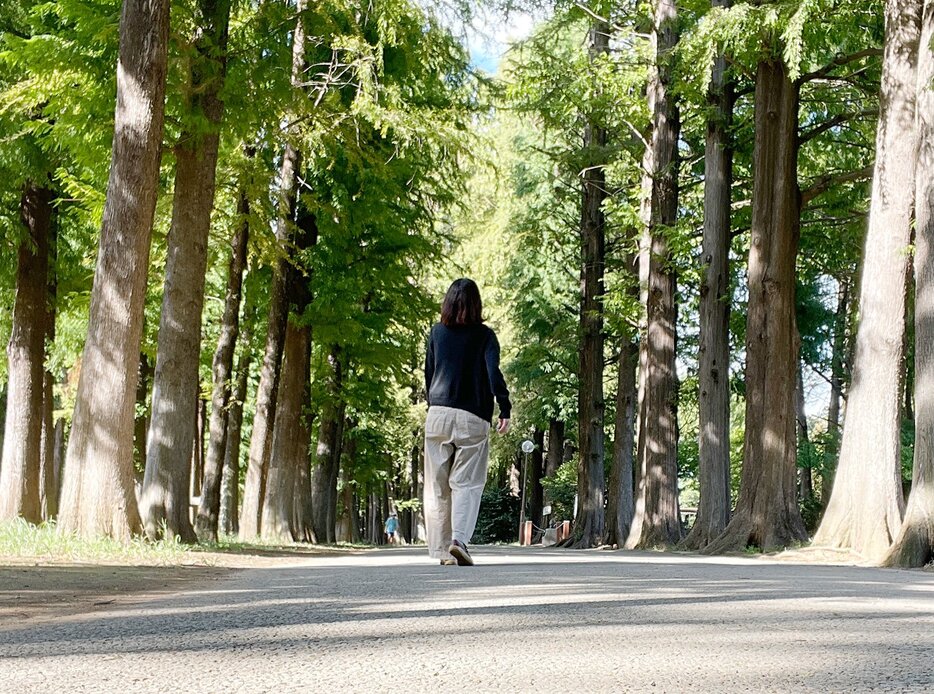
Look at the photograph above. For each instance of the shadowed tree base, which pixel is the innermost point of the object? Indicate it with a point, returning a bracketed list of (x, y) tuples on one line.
[(588, 532), (743, 531), (701, 535), (914, 546)]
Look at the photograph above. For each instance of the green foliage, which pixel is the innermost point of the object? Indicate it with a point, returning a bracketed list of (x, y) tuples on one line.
[(498, 520), (561, 490)]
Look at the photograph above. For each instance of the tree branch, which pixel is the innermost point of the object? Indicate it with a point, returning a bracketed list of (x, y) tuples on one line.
[(824, 183), (837, 62), (834, 122)]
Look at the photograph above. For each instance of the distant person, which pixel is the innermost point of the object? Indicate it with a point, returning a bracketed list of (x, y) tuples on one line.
[(391, 526), (462, 378)]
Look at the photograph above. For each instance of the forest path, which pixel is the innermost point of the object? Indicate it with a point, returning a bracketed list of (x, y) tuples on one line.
[(523, 620)]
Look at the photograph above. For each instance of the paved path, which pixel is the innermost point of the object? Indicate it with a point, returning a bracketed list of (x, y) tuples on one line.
[(522, 620)]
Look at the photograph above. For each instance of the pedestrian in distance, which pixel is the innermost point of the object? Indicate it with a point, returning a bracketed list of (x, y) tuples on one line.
[(462, 379), (391, 527)]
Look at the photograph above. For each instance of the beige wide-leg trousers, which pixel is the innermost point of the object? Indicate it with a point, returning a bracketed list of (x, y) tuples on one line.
[(457, 450)]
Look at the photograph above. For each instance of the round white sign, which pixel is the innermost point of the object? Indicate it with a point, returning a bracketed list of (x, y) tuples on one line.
[(527, 446)]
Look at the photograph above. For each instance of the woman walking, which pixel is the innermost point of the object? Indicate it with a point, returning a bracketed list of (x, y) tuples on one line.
[(462, 378)]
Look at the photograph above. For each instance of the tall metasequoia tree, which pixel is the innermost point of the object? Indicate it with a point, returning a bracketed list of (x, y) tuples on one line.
[(555, 455), (713, 510), (865, 509), (767, 512), (283, 508), (327, 459), (657, 519), (222, 372), (836, 392), (141, 423), (22, 439), (98, 493), (228, 518), (914, 544), (348, 529), (49, 477), (264, 416), (620, 505), (290, 440), (164, 498), (805, 481), (590, 523)]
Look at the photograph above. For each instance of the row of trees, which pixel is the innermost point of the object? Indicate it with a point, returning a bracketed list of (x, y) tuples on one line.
[(714, 160), (276, 174)]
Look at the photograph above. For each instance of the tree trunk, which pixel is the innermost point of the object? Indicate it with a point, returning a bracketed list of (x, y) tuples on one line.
[(836, 394), (555, 454), (621, 502), (914, 544), (591, 520), (48, 481), (22, 441), (328, 450), (290, 440), (805, 482), (658, 520), (141, 422), (48, 491), (230, 482), (197, 445), (536, 492), (265, 413), (865, 509), (98, 495), (348, 530), (58, 455), (767, 512), (713, 511), (165, 494), (222, 373)]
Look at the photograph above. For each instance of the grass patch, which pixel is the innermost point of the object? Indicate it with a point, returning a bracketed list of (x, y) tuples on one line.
[(22, 540)]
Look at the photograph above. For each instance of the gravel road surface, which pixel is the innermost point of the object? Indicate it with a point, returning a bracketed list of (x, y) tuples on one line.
[(522, 620)]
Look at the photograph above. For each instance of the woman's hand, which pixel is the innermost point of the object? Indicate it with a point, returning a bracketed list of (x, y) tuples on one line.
[(503, 426)]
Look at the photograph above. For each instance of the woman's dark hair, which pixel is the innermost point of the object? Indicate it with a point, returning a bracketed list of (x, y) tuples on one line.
[(462, 304)]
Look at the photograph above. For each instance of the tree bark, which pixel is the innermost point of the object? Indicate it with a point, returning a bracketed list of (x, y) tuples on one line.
[(141, 421), (291, 438), (589, 526), (98, 496), (767, 512), (164, 497), (230, 482), (620, 501), (657, 520), (328, 450), (805, 481), (348, 531), (22, 440), (713, 511), (555, 454), (836, 393), (48, 479), (914, 544), (865, 509), (222, 372)]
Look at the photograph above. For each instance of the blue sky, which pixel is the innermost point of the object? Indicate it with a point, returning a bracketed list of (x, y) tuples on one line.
[(490, 35)]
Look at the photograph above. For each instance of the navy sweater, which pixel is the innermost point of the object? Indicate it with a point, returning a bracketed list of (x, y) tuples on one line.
[(462, 370)]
